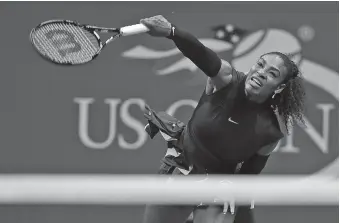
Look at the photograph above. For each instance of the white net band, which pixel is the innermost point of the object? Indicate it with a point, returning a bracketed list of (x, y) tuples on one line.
[(137, 189)]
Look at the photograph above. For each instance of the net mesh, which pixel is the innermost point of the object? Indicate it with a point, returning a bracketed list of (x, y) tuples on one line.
[(65, 43)]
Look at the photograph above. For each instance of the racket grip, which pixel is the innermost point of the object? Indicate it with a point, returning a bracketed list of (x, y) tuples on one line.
[(134, 29)]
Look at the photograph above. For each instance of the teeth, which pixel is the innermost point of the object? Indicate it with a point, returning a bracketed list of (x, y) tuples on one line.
[(256, 81)]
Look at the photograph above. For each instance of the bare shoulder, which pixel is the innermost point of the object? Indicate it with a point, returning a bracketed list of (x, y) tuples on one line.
[(268, 149), (224, 75)]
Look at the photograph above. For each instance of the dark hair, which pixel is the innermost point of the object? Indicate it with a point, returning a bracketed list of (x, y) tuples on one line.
[(290, 101)]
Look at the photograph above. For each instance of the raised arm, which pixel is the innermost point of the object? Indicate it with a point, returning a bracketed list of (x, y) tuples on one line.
[(204, 58)]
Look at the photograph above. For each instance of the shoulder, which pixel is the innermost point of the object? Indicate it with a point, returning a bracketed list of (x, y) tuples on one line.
[(226, 69), (227, 75), (280, 122), (269, 119), (270, 147)]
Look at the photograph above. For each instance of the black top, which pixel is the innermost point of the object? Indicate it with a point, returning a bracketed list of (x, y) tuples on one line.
[(230, 127), (226, 128)]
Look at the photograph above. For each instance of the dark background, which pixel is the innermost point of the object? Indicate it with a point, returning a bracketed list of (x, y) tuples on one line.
[(39, 116)]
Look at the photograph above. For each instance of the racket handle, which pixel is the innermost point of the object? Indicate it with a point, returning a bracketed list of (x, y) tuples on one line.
[(134, 29)]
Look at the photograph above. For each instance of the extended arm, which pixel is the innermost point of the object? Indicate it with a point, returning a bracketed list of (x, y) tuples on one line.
[(204, 58)]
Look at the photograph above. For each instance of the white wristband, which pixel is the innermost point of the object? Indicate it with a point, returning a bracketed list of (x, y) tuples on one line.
[(173, 31)]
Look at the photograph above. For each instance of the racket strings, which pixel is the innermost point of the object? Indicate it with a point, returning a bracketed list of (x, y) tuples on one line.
[(65, 43), (87, 40), (88, 48)]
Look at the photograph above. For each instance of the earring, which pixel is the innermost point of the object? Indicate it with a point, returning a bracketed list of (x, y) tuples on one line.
[(275, 93)]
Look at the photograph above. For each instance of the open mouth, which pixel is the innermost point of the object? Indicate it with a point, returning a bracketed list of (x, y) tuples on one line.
[(256, 81)]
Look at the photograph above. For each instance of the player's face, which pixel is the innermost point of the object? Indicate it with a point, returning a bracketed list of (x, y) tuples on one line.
[(265, 77)]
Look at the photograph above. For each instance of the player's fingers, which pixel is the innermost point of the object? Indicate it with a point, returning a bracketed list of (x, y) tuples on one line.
[(146, 22), (232, 207), (252, 204), (153, 21), (225, 207)]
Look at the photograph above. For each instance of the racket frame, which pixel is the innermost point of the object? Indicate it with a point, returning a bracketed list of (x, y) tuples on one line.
[(90, 28)]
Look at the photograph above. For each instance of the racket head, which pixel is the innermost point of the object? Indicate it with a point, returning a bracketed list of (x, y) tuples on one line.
[(65, 42)]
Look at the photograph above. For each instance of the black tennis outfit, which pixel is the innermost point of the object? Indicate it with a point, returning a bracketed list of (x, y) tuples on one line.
[(230, 128), (225, 129)]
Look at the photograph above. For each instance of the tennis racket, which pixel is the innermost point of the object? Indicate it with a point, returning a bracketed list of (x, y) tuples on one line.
[(69, 43)]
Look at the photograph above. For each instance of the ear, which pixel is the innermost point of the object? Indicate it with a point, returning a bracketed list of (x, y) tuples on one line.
[(279, 89)]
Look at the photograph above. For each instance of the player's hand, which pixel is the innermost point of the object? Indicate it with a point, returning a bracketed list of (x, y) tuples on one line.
[(157, 25), (230, 205)]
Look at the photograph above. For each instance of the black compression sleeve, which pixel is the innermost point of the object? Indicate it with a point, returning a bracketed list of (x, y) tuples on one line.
[(254, 165), (203, 57)]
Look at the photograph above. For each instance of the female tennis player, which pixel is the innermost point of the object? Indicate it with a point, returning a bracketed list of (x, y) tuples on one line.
[(239, 119)]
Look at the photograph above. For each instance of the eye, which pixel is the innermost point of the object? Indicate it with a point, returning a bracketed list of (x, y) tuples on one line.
[(273, 74), (259, 64)]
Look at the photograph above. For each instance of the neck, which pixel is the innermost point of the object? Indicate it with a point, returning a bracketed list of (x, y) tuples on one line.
[(254, 99)]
